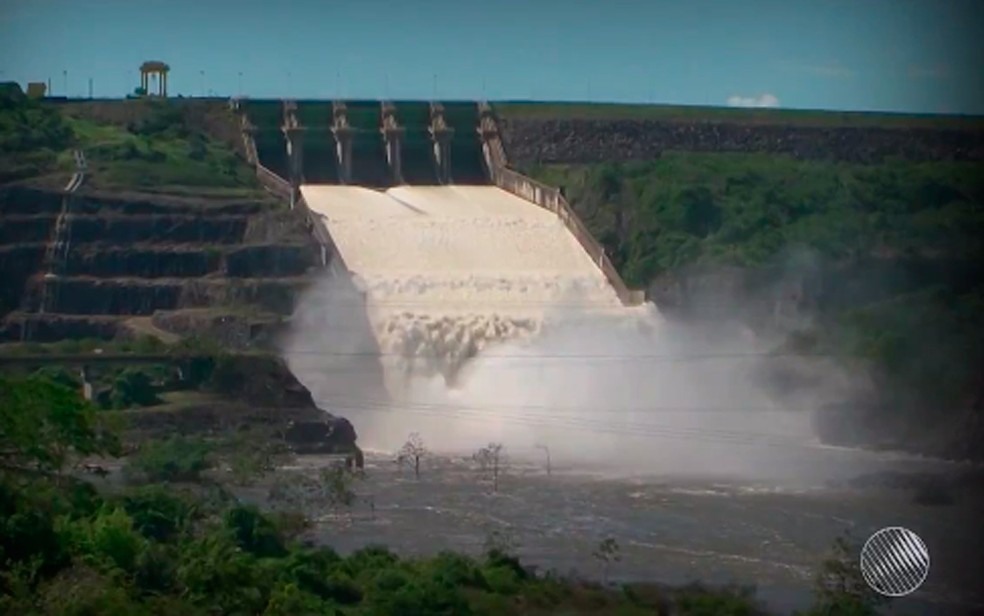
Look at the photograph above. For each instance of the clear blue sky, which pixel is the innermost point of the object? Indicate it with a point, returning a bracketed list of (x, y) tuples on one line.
[(897, 55)]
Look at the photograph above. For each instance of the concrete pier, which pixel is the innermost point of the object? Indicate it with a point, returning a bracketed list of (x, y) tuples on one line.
[(441, 135), (343, 141), (393, 139)]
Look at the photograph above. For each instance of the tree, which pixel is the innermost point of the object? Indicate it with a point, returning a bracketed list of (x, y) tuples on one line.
[(175, 459), (489, 459), (332, 488), (607, 553), (411, 453), (840, 587), (43, 422), (500, 542), (700, 215), (133, 388)]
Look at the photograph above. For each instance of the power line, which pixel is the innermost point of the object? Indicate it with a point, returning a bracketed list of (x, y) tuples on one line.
[(540, 407), (562, 356), (723, 437), (612, 306)]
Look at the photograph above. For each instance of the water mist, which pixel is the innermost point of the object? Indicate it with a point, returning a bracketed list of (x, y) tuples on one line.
[(427, 338)]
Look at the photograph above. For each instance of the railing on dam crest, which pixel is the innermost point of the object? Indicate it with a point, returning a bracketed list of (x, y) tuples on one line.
[(549, 198)]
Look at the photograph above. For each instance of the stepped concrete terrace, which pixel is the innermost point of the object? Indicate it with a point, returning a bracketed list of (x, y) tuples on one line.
[(144, 255)]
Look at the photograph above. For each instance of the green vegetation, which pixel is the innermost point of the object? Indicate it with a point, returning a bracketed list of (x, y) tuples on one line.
[(682, 113), (744, 209), (139, 345), (190, 366), (175, 459), (31, 137), (905, 236), (69, 548), (160, 150)]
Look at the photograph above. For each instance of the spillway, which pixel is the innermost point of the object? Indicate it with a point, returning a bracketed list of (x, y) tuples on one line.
[(448, 270), (473, 315)]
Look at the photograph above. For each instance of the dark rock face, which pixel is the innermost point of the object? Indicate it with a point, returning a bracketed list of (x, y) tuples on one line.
[(122, 261), (270, 260), (52, 327), (588, 141), (335, 435), (17, 263), (230, 331), (158, 228)]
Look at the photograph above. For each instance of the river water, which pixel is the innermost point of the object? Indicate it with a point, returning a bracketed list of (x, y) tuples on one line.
[(472, 316), (670, 530)]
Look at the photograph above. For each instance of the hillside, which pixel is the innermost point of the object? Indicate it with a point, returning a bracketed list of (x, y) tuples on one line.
[(880, 261), (170, 232), (169, 242)]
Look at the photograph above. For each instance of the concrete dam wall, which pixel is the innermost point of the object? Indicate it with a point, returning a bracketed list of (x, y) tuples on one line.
[(542, 141), (368, 143)]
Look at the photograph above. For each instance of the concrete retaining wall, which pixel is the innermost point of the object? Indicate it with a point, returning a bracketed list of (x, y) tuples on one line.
[(273, 182), (549, 198)]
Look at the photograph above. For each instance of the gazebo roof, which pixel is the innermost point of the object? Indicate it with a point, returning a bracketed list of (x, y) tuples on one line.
[(154, 66)]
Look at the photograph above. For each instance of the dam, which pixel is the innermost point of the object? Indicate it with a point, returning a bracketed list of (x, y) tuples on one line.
[(468, 303), (437, 252)]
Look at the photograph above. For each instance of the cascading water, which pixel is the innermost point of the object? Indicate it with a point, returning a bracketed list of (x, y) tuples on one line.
[(474, 316)]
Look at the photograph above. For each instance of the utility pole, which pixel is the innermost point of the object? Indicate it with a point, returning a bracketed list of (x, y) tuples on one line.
[(240, 84), (202, 73), (65, 82), (90, 87)]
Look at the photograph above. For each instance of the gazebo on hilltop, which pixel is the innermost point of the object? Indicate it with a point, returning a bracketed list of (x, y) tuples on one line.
[(154, 67)]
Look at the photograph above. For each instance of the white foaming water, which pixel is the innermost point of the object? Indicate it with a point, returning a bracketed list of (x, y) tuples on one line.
[(488, 322), (448, 271)]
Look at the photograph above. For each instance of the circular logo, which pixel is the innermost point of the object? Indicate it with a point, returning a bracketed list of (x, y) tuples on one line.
[(895, 561)]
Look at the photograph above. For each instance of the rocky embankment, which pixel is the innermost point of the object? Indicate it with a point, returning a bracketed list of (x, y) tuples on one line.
[(137, 255), (255, 392), (541, 141)]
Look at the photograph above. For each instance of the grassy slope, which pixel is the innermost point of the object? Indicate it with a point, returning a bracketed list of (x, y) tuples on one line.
[(658, 217), (156, 149), (801, 117), (160, 154)]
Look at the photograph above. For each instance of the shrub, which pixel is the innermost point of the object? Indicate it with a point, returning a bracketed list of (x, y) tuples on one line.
[(133, 387), (176, 459), (156, 512), (254, 532)]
